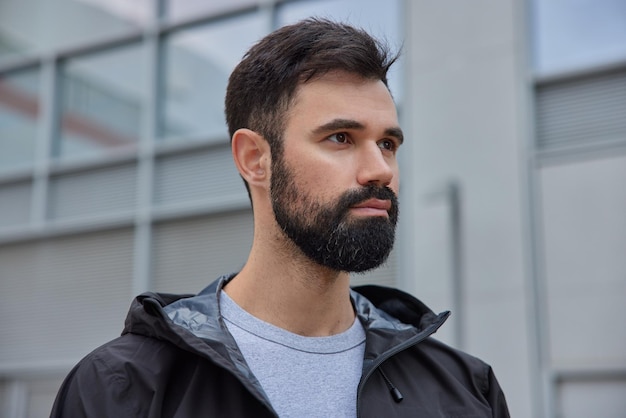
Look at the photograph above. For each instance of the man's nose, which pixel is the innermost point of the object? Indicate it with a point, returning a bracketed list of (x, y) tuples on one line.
[(374, 167)]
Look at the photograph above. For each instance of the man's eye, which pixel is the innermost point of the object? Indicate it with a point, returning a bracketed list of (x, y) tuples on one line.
[(387, 144), (340, 138)]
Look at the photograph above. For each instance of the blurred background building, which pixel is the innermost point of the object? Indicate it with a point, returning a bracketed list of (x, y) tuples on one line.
[(116, 178)]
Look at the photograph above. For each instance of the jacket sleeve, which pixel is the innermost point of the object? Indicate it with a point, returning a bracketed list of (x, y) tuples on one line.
[(94, 390), (495, 396)]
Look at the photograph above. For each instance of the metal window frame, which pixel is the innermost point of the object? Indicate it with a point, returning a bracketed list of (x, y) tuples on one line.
[(144, 213), (45, 166)]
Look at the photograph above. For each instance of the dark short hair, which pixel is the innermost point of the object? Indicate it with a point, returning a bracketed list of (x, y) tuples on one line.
[(262, 86)]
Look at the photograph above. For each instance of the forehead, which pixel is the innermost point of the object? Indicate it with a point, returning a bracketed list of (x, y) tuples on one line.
[(346, 96)]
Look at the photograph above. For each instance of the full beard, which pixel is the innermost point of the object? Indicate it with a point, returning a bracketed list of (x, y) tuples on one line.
[(326, 233)]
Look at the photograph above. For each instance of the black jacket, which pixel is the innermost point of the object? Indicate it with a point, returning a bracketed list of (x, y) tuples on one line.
[(158, 369)]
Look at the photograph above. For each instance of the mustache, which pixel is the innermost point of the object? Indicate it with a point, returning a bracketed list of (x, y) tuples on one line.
[(356, 196)]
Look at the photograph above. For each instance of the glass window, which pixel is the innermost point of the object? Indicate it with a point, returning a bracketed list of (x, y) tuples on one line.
[(102, 100), (578, 33), (197, 64), (180, 9), (19, 117), (36, 26), (381, 19)]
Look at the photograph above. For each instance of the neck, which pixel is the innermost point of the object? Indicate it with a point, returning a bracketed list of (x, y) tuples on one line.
[(280, 285)]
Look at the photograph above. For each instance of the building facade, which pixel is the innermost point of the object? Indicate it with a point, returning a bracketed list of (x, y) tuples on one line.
[(116, 178)]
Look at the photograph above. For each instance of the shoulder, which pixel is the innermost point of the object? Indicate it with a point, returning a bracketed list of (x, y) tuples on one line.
[(118, 361), (119, 378), (100, 384), (458, 365), (130, 357)]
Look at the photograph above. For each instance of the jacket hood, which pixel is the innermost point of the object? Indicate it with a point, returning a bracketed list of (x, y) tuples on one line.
[(399, 305), (391, 318)]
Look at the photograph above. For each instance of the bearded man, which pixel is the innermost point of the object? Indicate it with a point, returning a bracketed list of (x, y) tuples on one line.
[(315, 137)]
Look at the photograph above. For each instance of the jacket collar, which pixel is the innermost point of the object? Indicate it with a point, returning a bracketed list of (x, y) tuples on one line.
[(176, 318), (392, 319)]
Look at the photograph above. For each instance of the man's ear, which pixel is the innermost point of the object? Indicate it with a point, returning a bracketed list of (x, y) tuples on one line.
[(251, 153)]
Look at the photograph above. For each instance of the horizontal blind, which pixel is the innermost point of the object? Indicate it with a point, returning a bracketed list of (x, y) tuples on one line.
[(62, 297), (15, 200), (189, 254), (202, 175), (92, 192), (584, 110)]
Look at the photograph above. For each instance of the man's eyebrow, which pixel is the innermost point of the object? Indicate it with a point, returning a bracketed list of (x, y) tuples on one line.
[(396, 132), (338, 124)]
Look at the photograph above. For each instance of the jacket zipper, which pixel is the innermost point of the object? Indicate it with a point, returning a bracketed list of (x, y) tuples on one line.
[(381, 359)]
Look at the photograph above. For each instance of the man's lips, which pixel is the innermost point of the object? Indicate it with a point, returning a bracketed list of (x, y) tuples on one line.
[(375, 207)]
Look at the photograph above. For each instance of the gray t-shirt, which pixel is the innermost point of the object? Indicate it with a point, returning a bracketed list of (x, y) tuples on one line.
[(302, 376)]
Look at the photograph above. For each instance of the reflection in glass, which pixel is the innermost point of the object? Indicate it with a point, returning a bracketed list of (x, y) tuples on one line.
[(36, 26), (381, 19), (578, 33), (102, 98), (19, 117), (197, 64), (179, 9)]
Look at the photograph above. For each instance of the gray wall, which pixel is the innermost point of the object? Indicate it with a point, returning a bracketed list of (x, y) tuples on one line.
[(466, 116), (514, 186)]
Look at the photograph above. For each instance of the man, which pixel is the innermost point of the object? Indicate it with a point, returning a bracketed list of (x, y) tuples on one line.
[(315, 137)]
